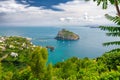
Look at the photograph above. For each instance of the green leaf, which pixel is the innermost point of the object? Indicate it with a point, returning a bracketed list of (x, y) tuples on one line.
[(110, 28), (114, 50), (105, 4), (111, 43), (115, 19), (114, 34), (112, 1), (98, 2)]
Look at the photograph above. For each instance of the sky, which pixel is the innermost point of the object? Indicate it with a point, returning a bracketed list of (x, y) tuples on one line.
[(52, 13)]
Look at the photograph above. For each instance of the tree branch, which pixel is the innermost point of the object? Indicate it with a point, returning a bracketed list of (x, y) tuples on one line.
[(117, 8)]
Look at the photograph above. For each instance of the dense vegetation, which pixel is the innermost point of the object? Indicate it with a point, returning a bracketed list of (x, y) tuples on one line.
[(21, 60), (31, 64)]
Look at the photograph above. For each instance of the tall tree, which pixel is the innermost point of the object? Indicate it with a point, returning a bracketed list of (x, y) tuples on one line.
[(38, 62), (112, 30)]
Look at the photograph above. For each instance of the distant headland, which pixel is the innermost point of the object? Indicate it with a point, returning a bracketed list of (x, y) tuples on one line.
[(66, 35)]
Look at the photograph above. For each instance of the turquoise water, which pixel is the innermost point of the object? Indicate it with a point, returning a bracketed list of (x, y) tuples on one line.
[(89, 45)]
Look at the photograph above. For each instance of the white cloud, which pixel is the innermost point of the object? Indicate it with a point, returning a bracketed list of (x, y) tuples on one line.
[(73, 14), (11, 6)]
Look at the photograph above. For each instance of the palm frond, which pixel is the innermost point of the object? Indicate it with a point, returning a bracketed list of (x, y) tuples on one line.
[(105, 2), (111, 1), (114, 34), (110, 28), (114, 50), (115, 19), (111, 43)]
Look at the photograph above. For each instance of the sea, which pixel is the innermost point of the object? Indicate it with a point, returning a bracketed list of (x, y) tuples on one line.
[(89, 45)]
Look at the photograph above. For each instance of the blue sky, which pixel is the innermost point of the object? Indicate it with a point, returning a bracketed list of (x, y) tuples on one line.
[(52, 13), (47, 4)]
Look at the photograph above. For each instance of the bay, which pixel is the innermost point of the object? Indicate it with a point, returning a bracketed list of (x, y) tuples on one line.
[(89, 44)]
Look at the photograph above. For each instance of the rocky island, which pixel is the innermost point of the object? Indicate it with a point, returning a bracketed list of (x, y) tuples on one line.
[(66, 35)]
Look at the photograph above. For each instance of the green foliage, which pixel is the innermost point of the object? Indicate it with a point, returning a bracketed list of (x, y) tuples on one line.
[(106, 67), (25, 74), (88, 69), (115, 19), (113, 31), (113, 75), (18, 66), (111, 60), (38, 62), (105, 3), (7, 76), (0, 71), (49, 72), (75, 69), (18, 45)]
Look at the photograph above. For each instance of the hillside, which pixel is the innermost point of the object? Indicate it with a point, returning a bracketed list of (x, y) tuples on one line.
[(21, 60)]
